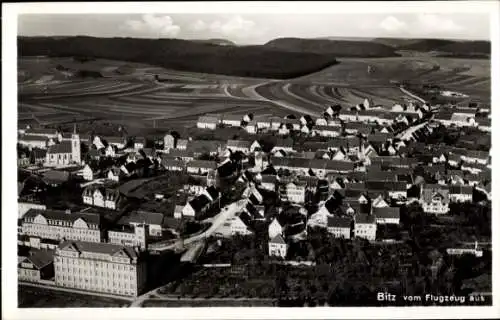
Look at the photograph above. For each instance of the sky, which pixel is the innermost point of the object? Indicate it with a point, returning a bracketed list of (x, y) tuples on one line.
[(259, 28)]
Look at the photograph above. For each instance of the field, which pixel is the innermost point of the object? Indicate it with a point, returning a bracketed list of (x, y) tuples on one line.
[(137, 99)]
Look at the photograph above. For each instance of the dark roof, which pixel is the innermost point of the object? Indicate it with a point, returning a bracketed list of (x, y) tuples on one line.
[(364, 218), (385, 185), (459, 189), (213, 192), (55, 176), (63, 147), (37, 153), (92, 218), (202, 164), (28, 137), (41, 258), (99, 247), (146, 217), (39, 131), (199, 202), (277, 239), (339, 222), (386, 212)]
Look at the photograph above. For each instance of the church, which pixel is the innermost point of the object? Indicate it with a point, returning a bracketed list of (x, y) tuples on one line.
[(64, 153)]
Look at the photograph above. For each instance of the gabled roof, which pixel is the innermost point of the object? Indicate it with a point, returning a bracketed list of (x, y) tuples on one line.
[(212, 119), (40, 131), (99, 247), (459, 189), (140, 217), (238, 144), (199, 202), (205, 164), (277, 239), (339, 222), (63, 147), (386, 212), (28, 137), (364, 219), (91, 218), (41, 258)]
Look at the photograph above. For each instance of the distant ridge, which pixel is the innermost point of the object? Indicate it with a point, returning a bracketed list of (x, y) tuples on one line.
[(339, 48), (183, 55)]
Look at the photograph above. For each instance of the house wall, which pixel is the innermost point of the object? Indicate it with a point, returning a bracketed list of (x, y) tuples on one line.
[(98, 274), (277, 250)]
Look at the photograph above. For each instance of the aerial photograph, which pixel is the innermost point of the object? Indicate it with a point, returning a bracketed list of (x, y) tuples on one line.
[(254, 160)]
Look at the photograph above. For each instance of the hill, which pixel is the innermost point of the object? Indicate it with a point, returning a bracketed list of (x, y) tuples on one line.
[(218, 42), (451, 48), (338, 48), (183, 55)]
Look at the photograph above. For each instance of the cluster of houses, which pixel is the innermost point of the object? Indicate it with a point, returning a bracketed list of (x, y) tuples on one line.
[(336, 120), (352, 166)]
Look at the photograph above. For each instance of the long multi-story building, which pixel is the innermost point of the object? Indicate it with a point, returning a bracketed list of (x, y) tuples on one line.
[(100, 267), (62, 225)]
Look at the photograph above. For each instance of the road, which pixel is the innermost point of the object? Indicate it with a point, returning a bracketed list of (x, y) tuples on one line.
[(406, 134), (225, 214)]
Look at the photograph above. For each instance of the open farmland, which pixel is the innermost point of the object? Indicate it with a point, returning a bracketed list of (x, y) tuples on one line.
[(137, 99)]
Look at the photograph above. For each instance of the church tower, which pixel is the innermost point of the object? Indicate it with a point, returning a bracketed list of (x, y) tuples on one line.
[(75, 146)]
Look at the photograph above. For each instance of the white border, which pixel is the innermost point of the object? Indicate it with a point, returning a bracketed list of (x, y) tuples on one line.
[(9, 113)]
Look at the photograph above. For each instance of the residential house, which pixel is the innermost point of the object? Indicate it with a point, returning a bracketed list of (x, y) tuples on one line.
[(114, 174), (240, 224), (103, 197), (239, 145), (278, 247), (139, 143), (435, 198), (268, 182), (118, 142), (130, 235), (36, 267), (32, 141), (87, 173), (232, 120), (182, 144), (201, 166), (43, 132), (168, 142), (365, 227), (38, 156), (196, 207), (208, 122), (461, 193), (386, 215), (340, 227), (153, 221), (275, 228), (294, 192)]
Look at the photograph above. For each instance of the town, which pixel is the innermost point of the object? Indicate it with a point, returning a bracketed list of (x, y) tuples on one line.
[(262, 210)]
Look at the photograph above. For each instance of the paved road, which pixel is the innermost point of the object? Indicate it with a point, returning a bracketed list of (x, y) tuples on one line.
[(406, 134), (225, 214)]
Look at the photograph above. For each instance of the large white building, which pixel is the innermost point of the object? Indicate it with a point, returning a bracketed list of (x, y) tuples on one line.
[(99, 267), (61, 225)]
